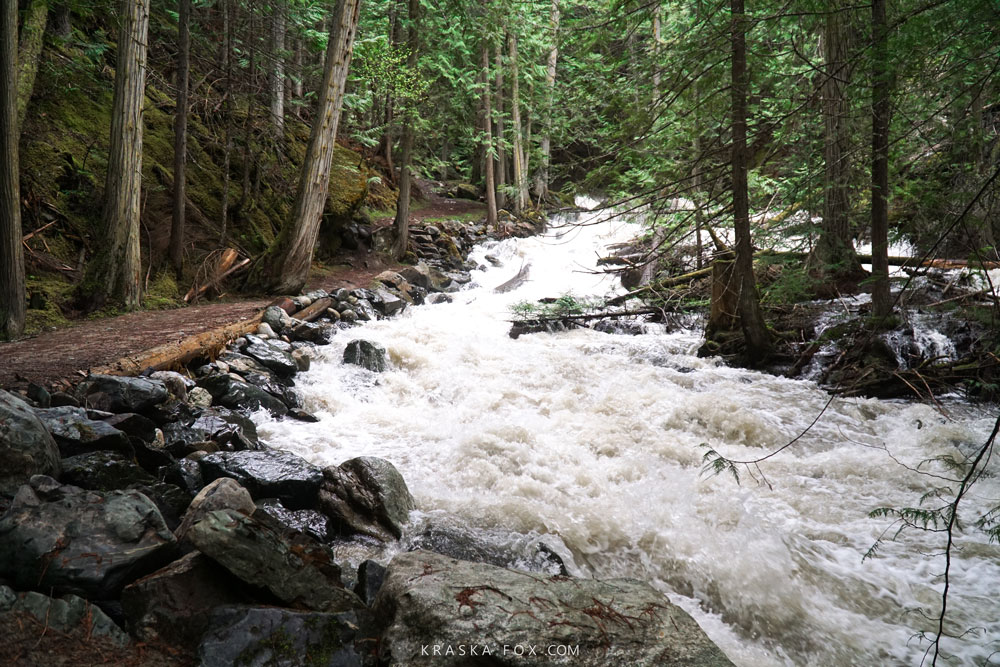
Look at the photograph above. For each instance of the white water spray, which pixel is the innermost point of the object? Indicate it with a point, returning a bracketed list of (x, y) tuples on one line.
[(596, 438)]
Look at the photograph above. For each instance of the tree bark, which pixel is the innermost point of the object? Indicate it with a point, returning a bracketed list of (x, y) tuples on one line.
[(520, 177), (487, 125), (176, 249), (278, 73), (30, 48), (402, 221), (501, 162), (834, 256), (284, 268), (755, 334), (657, 40), (542, 176), (881, 297), (113, 274), (12, 310)]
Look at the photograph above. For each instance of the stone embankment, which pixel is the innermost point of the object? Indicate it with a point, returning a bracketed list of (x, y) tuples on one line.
[(144, 514)]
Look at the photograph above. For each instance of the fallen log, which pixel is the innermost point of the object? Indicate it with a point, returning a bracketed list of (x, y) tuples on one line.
[(173, 356), (314, 310), (666, 282), (514, 282)]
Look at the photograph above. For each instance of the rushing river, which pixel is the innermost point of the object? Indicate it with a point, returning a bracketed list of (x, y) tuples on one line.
[(593, 440)]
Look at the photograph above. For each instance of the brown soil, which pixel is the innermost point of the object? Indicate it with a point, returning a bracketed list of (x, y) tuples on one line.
[(64, 356)]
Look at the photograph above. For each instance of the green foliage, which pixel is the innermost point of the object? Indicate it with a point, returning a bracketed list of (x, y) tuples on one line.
[(554, 309)]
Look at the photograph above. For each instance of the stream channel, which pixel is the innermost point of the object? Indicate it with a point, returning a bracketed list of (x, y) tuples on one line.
[(590, 443)]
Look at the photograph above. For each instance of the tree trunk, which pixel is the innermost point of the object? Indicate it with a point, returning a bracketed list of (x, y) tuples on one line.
[(657, 40), (487, 125), (278, 74), (32, 34), (520, 177), (227, 48), (61, 26), (11, 256), (176, 249), (755, 334), (297, 90), (405, 176), (881, 297), (284, 268), (500, 166), (113, 274), (542, 176), (834, 256)]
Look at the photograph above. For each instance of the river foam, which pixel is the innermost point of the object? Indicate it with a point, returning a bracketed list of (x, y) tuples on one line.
[(597, 438)]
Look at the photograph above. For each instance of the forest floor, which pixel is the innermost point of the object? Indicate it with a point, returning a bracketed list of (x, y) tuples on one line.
[(66, 355)]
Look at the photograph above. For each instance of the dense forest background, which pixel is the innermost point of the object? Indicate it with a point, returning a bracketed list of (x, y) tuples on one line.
[(815, 125)]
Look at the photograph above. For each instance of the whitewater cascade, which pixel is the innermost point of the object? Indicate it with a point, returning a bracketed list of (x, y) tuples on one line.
[(592, 441)]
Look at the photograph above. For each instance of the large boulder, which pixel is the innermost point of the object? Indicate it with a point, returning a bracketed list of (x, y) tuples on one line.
[(26, 448), (225, 427), (103, 471), (425, 276), (262, 552), (270, 473), (270, 356), (432, 603), (121, 394), (175, 603), (279, 638), (221, 494), (63, 615), (365, 354), (388, 303), (75, 433), (63, 538), (366, 496), (235, 394)]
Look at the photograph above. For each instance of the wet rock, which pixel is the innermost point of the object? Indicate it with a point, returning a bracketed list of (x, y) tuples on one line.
[(184, 474), (493, 259), (268, 474), (371, 575), (270, 356), (429, 599), (265, 331), (75, 433), (221, 425), (311, 332), (302, 359), (276, 318), (39, 395), (303, 416), (175, 603), (279, 390), (121, 394), (310, 522), (240, 363), (260, 551), (63, 615), (425, 276), (69, 540), (482, 546), (365, 354), (438, 297), (26, 447), (279, 637), (199, 397), (171, 411), (348, 315), (61, 398), (103, 471), (366, 496), (235, 394), (390, 304), (134, 426), (221, 494), (365, 310)]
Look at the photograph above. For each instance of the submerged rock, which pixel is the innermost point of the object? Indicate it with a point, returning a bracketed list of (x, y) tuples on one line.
[(431, 600), (279, 638), (261, 552), (365, 354), (64, 538), (26, 448), (366, 496)]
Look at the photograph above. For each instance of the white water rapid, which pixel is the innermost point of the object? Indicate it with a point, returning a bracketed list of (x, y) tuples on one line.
[(595, 438)]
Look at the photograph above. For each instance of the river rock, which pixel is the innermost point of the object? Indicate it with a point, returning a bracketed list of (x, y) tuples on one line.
[(302, 358), (365, 354), (26, 447), (310, 522), (64, 538), (265, 331), (221, 494), (221, 425), (390, 304), (262, 552), (276, 318), (174, 604), (103, 471), (121, 394), (270, 473), (280, 390), (438, 297), (185, 474), (235, 394), (239, 363), (133, 425), (63, 615), (429, 600), (175, 383), (59, 399), (270, 355), (75, 433), (199, 397), (366, 496), (371, 575), (313, 332), (279, 638), (425, 276)]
